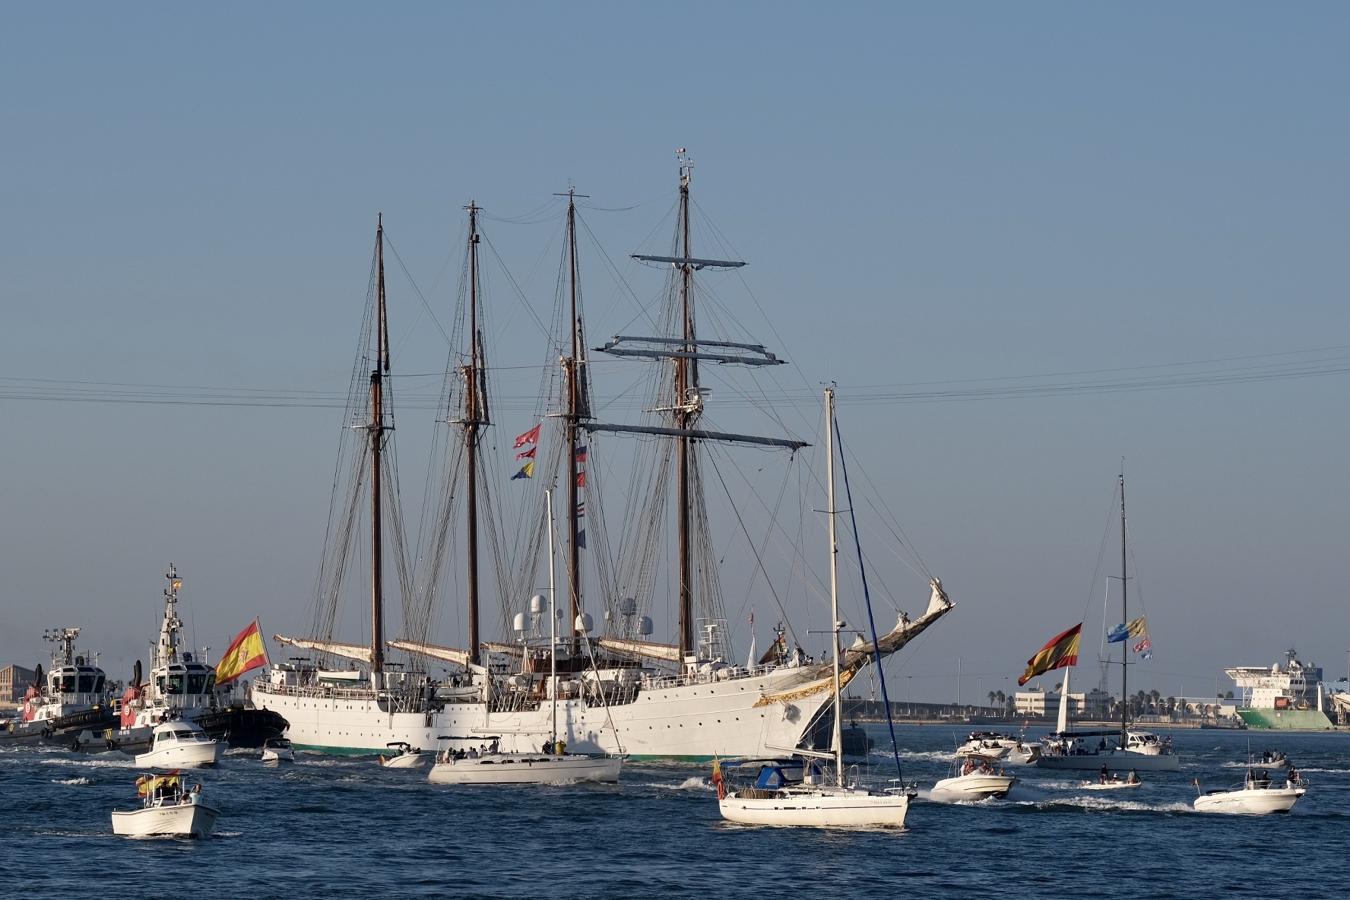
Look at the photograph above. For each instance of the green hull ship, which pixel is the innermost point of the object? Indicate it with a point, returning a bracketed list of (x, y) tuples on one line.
[(1286, 719)]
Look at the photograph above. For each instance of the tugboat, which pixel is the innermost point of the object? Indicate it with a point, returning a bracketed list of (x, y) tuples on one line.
[(169, 808), (73, 699), (182, 686)]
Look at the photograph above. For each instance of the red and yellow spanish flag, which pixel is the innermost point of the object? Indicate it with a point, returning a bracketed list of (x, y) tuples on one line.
[(245, 653), (1061, 651)]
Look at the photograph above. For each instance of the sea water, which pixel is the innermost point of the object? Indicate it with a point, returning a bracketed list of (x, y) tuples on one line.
[(336, 827)]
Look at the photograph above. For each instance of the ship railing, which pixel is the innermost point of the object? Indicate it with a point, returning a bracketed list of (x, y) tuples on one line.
[(715, 676)]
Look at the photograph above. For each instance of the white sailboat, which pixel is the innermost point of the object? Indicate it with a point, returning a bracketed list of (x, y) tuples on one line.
[(689, 699), (810, 803), (1125, 750), (551, 766)]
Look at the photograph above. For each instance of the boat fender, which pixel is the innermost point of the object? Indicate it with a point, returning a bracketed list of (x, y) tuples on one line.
[(111, 744)]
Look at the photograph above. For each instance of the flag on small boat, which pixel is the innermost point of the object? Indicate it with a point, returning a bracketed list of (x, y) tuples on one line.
[(1060, 651), (148, 784), (245, 653), (526, 471), (529, 437)]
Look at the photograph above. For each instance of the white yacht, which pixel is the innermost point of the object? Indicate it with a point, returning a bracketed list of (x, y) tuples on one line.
[(169, 808), (464, 767), (1255, 796), (179, 744)]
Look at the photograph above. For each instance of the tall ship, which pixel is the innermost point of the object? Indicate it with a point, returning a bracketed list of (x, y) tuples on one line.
[(182, 685), (611, 688), (73, 696), (1284, 696)]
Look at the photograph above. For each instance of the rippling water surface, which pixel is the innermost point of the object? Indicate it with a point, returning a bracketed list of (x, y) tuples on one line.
[(328, 826)]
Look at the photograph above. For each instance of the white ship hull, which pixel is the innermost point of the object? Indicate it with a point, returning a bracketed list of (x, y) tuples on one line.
[(819, 807), (526, 768), (1114, 761), (185, 820), (684, 721)]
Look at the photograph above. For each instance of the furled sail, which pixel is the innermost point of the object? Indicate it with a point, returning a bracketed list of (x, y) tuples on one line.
[(359, 652), (649, 649)]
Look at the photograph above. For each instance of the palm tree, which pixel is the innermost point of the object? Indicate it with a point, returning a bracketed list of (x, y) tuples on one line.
[(993, 696)]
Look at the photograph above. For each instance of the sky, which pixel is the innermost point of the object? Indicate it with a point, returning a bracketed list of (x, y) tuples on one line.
[(967, 216)]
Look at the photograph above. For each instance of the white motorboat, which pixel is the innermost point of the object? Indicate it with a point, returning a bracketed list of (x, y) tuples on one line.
[(1255, 796), (1109, 785), (407, 757), (277, 750), (975, 778), (169, 808), (773, 799), (1002, 747), (1273, 759), (179, 745)]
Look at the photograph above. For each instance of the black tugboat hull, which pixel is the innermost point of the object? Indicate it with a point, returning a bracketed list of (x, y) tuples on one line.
[(241, 727), (63, 731)]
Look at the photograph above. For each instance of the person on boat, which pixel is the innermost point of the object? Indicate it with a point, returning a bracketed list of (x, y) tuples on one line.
[(1105, 775), (1293, 775), (548, 746), (984, 768), (473, 753), (1134, 777)]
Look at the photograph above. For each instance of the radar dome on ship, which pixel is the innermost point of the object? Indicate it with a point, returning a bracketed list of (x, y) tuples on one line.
[(584, 623), (538, 603)]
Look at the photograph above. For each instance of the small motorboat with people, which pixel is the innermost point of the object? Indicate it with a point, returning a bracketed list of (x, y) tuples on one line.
[(1257, 795), (170, 807), (486, 764), (974, 778), (276, 750), (405, 756), (1004, 747), (179, 744), (1110, 781), (1273, 759)]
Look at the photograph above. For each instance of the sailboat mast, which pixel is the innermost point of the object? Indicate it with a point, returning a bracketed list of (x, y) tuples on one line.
[(1124, 617), (552, 624), (376, 431), (471, 415), (686, 378), (838, 736), (573, 417)]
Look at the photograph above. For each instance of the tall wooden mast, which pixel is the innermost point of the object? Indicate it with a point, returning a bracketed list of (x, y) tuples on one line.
[(376, 430), (574, 413), (686, 383), (471, 425)]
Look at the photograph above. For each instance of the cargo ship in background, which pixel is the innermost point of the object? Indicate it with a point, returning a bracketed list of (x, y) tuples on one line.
[(1283, 697)]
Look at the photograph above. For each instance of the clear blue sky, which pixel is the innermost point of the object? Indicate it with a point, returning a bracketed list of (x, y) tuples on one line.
[(925, 193)]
